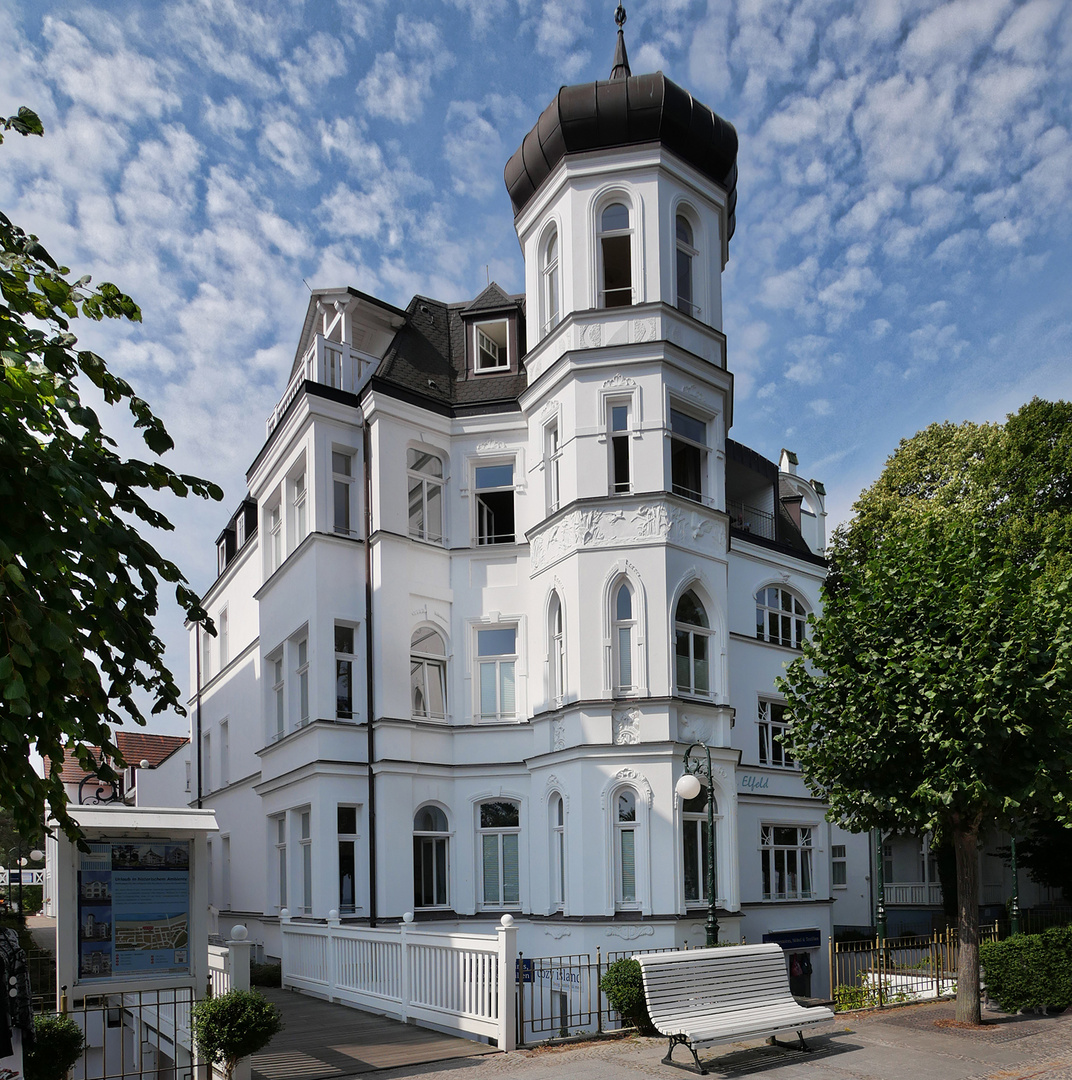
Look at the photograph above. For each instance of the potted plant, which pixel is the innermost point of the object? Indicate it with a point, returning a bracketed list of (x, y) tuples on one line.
[(233, 1026)]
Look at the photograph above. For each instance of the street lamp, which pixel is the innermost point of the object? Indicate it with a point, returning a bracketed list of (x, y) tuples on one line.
[(20, 861), (688, 787)]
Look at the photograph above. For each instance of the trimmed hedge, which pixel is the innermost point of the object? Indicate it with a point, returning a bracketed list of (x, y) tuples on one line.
[(58, 1044), (1030, 971)]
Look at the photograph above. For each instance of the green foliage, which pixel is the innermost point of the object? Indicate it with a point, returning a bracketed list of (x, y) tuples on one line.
[(266, 974), (623, 983), (862, 996), (1045, 851), (233, 1026), (78, 580), (1030, 971), (58, 1043)]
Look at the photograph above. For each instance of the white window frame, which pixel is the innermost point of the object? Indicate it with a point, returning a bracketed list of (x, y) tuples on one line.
[(678, 438), (556, 649), (298, 490), (305, 845), (301, 678), (484, 342), (792, 624), (277, 701), (427, 482), (557, 815), (348, 840), (498, 662), (800, 852), (206, 763), (225, 753), (839, 860), (206, 656), (694, 634), (504, 841), (697, 818), (273, 528), (551, 277), (225, 872), (552, 458), (622, 900), (438, 842), (686, 249), (345, 659), (280, 845), (771, 730), (426, 666), (623, 654), (342, 489), (483, 536), (604, 234), (222, 629)]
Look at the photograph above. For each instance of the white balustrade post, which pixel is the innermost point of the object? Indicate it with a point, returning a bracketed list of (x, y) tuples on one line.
[(284, 945), (407, 919), (333, 941), (238, 952), (507, 983)]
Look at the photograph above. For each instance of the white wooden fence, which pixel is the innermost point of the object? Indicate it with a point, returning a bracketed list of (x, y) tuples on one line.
[(448, 981)]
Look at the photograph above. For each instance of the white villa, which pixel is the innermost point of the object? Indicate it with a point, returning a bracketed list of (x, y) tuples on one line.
[(500, 564)]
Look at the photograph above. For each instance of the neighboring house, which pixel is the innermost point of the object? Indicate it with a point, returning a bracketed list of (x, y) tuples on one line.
[(500, 564)]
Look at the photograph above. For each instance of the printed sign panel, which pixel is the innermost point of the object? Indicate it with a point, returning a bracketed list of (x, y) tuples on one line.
[(134, 909)]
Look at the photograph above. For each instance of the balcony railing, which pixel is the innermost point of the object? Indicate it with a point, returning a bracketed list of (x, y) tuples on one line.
[(914, 894), (750, 519), (330, 363)]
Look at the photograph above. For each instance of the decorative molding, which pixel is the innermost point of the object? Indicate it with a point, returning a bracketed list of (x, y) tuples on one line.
[(693, 729), (785, 578), (617, 380), (558, 735), (630, 776), (643, 329), (623, 527), (630, 931), (420, 613), (592, 336), (550, 409), (558, 934), (491, 445), (691, 390), (626, 727)]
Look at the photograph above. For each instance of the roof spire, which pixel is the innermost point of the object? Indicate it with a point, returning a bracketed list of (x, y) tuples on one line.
[(621, 58)]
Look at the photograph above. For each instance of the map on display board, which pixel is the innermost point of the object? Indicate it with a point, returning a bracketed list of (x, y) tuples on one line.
[(134, 908)]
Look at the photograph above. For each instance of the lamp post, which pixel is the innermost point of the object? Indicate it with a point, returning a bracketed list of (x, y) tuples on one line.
[(688, 787), (20, 861), (1014, 907)]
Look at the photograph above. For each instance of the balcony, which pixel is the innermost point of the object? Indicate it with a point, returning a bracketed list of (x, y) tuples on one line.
[(929, 894), (329, 363), (749, 519)]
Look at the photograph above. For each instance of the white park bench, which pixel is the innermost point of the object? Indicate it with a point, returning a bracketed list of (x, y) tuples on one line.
[(702, 997)]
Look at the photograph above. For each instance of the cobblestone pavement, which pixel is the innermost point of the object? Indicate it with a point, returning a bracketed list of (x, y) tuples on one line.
[(907, 1043)]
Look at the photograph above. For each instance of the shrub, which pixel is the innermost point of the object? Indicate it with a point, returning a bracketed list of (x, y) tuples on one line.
[(233, 1026), (266, 974), (623, 983), (58, 1043), (1030, 971)]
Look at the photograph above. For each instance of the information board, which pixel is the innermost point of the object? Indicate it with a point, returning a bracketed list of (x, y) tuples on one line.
[(134, 909)]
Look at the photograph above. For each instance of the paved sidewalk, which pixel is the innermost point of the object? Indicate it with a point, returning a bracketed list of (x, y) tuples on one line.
[(896, 1044)]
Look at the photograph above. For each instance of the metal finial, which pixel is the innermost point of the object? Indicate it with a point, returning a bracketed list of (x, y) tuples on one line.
[(619, 15)]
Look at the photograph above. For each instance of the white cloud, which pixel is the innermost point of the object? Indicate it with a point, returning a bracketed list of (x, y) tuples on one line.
[(283, 142), (558, 26), (228, 118), (473, 146), (313, 65), (954, 31), (821, 407), (792, 287), (482, 12)]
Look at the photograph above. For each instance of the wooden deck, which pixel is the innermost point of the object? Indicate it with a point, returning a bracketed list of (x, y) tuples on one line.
[(322, 1041)]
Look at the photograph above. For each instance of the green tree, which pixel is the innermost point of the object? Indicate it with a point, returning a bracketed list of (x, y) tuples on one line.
[(78, 580), (935, 692)]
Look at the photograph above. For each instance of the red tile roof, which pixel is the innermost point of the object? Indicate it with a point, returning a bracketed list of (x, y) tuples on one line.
[(135, 746)]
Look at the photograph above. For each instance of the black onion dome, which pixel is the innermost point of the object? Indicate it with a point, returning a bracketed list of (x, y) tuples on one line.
[(625, 112)]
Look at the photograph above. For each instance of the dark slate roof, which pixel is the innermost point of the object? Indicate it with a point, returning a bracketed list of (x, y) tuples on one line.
[(625, 112), (427, 355)]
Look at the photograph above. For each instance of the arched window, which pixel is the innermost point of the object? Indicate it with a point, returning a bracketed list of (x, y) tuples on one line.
[(683, 268), (692, 649), (557, 650), (550, 283), (616, 256), (625, 849), (430, 851), (425, 480), (428, 674), (624, 632), (780, 617), (695, 847), (558, 853), (500, 833)]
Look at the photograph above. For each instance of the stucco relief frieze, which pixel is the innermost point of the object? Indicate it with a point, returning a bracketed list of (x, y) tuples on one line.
[(643, 329), (558, 933), (624, 527), (592, 336), (631, 932), (694, 729), (691, 390), (550, 409), (558, 735), (626, 727), (618, 380), (490, 446)]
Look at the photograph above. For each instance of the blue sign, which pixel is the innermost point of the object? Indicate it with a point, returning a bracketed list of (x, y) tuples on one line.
[(523, 971), (794, 939)]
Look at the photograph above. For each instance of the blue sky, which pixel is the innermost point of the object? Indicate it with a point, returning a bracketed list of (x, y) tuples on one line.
[(902, 251)]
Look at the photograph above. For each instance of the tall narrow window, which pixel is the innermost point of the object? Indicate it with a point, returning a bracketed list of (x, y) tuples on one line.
[(301, 519), (225, 873), (552, 464), (550, 283), (688, 455), (615, 244), (275, 532), (786, 853), (499, 864), (342, 468), (222, 629), (206, 762), (425, 481), (557, 657), (496, 651), (692, 647), (303, 682), (624, 629), (430, 851), (279, 697), (347, 836), (428, 674), (695, 848), (494, 503), (306, 844), (558, 852), (225, 753), (686, 252), (621, 480), (625, 849), (281, 859), (773, 749), (780, 617), (206, 656), (839, 875), (344, 672)]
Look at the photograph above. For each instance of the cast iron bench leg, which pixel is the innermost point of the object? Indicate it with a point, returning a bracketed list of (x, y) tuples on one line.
[(684, 1041)]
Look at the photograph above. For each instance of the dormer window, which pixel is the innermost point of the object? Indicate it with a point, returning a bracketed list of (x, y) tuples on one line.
[(491, 347)]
